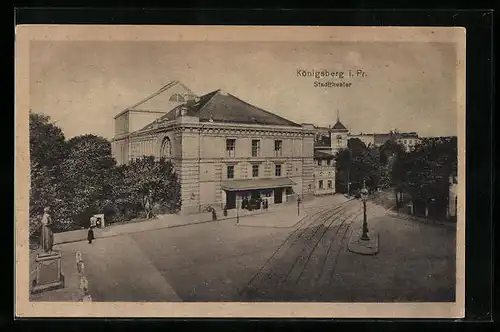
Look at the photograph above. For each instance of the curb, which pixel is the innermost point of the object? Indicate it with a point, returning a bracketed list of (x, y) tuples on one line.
[(170, 226)]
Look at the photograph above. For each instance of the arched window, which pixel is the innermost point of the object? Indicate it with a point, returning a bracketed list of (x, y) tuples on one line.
[(166, 148), (177, 98)]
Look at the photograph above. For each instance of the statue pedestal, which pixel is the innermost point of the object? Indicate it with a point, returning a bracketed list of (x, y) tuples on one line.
[(48, 272)]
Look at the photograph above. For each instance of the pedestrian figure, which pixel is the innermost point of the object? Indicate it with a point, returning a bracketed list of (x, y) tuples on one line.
[(47, 234), (90, 234), (214, 214)]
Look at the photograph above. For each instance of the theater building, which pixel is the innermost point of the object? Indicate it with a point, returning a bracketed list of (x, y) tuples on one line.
[(224, 149)]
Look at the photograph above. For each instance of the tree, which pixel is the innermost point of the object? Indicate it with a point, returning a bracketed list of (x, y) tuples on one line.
[(429, 168), (342, 169), (88, 177), (357, 165), (47, 151), (390, 151), (146, 176), (47, 141), (393, 158)]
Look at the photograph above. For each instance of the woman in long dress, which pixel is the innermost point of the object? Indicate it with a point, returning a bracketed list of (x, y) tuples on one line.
[(47, 234)]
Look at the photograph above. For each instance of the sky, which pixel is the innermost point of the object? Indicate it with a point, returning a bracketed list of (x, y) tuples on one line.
[(408, 86)]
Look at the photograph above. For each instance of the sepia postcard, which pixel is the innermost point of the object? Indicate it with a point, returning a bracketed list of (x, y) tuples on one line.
[(240, 171)]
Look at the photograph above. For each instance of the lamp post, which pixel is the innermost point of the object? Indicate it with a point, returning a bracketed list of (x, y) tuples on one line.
[(237, 210), (298, 205), (349, 174), (364, 198)]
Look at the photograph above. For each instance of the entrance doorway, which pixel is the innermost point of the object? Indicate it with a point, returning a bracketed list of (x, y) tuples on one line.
[(278, 195), (230, 200)]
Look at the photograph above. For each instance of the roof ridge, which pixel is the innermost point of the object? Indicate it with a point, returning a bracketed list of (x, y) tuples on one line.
[(214, 93), (188, 89), (161, 90), (260, 109)]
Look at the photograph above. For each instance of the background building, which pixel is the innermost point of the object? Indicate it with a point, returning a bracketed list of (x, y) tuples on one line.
[(339, 136), (408, 140), (367, 139), (324, 173), (331, 139), (452, 198), (225, 149)]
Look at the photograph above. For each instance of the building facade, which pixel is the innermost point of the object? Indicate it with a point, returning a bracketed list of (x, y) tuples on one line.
[(407, 140), (452, 198), (339, 137), (328, 141), (141, 114), (224, 149), (331, 139), (367, 139), (324, 173)]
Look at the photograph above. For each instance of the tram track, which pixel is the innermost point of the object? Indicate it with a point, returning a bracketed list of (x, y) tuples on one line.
[(290, 260)]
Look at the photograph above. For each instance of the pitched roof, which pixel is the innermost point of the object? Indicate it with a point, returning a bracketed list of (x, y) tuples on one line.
[(219, 107), (339, 126)]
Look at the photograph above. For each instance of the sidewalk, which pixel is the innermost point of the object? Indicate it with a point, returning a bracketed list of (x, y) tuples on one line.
[(176, 220)]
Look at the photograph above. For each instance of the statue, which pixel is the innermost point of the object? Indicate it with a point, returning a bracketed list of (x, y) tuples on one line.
[(49, 276), (47, 234), (147, 204)]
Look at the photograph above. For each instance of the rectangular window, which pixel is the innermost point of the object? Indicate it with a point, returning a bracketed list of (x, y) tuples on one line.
[(230, 172), (278, 170), (230, 147), (319, 162), (255, 171), (278, 147), (255, 148), (328, 162), (320, 184), (329, 184)]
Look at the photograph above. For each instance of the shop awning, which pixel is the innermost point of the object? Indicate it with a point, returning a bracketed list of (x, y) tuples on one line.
[(251, 184)]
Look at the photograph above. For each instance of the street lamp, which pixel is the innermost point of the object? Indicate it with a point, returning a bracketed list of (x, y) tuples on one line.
[(364, 198), (237, 210)]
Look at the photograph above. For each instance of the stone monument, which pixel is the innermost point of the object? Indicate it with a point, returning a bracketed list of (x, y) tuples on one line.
[(48, 263), (49, 274)]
